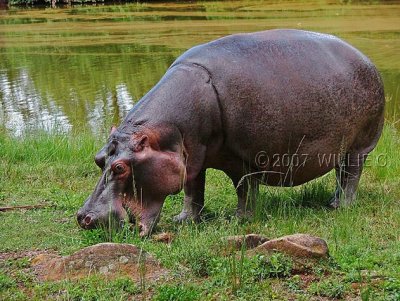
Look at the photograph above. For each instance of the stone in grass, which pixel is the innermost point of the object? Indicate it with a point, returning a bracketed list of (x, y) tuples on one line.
[(165, 237), (296, 245), (250, 240), (109, 259)]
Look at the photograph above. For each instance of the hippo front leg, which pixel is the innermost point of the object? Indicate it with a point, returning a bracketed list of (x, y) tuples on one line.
[(193, 202), (247, 192)]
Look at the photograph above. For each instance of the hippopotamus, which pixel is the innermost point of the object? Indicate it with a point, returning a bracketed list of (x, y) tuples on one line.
[(277, 107)]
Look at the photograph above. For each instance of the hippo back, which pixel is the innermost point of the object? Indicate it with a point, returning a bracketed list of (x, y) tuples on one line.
[(290, 91)]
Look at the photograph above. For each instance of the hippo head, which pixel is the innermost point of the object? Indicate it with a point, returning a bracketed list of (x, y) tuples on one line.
[(139, 169)]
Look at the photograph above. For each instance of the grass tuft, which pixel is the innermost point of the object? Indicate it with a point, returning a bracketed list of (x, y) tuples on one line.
[(59, 170)]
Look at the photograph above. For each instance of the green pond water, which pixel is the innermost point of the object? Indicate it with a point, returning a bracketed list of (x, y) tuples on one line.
[(83, 67)]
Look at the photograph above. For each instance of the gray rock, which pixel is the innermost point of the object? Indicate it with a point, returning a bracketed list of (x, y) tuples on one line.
[(296, 245), (109, 259), (123, 259), (103, 270), (250, 240)]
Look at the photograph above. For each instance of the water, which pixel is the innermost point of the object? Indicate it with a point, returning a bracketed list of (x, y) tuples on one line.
[(83, 67)]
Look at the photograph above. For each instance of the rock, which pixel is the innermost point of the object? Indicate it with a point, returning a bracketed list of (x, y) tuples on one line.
[(296, 245), (109, 259), (165, 237), (123, 259), (88, 264), (42, 258), (251, 241), (103, 270)]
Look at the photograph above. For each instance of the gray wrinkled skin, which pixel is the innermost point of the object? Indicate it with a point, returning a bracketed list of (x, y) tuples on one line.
[(270, 104)]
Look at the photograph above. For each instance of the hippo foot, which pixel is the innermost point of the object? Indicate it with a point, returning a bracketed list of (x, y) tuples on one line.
[(185, 216), (244, 214), (334, 203)]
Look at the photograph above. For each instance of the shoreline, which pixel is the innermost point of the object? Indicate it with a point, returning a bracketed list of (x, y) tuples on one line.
[(4, 4)]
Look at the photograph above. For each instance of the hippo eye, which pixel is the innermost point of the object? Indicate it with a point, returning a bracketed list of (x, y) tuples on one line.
[(119, 168)]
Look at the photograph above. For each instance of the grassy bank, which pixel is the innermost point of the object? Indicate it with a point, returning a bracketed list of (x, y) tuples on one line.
[(56, 170)]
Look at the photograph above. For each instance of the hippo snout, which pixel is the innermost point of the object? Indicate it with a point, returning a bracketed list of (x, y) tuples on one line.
[(108, 218), (86, 221)]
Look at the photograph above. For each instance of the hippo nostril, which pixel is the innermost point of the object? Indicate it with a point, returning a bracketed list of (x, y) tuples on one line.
[(87, 220), (80, 217)]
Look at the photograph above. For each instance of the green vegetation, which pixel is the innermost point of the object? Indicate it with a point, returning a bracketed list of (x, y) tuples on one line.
[(333, 288), (91, 288), (87, 64), (177, 292), (58, 170)]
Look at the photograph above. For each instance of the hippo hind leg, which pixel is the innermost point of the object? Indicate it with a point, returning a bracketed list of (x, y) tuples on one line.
[(348, 173)]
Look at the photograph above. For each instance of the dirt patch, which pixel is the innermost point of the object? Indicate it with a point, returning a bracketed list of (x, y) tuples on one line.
[(24, 254)]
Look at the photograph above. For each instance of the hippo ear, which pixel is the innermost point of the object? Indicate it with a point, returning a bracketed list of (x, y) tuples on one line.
[(141, 144)]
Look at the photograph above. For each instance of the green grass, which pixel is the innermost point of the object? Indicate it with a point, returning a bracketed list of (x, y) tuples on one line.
[(177, 292), (364, 239)]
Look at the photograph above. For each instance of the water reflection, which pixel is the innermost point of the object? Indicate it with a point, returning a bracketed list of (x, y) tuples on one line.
[(23, 108), (75, 89), (84, 67), (116, 104)]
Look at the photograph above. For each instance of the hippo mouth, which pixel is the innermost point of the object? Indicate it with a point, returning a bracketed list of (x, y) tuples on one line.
[(146, 215), (91, 220)]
